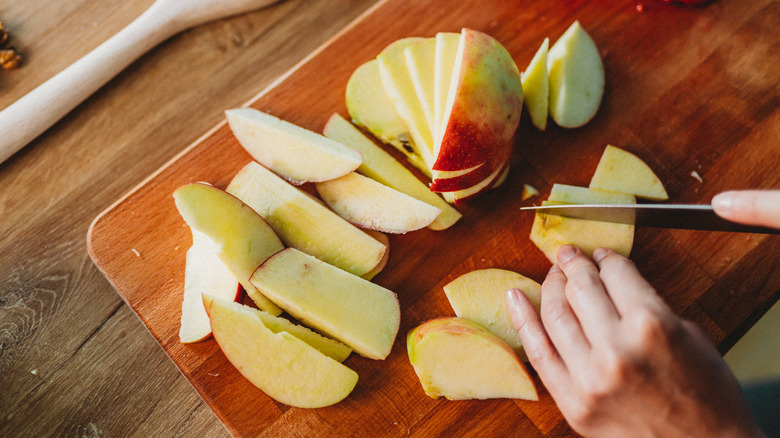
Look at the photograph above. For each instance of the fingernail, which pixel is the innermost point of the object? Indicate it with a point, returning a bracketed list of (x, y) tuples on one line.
[(599, 254), (723, 201), (566, 253), (512, 298), (554, 268)]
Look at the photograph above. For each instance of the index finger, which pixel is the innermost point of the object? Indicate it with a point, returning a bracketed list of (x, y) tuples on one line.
[(750, 207)]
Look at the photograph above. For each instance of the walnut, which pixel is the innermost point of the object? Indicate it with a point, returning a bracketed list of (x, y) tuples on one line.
[(9, 58)]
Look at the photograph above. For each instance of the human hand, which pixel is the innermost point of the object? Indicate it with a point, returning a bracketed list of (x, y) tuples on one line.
[(751, 207), (619, 362)]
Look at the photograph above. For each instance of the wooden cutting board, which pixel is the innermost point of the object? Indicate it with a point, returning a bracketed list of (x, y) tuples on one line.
[(694, 92)]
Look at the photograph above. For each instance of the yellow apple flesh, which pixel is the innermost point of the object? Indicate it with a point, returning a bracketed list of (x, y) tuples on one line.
[(576, 78), (244, 239), (460, 360), (369, 204), (536, 89), (420, 62), (384, 240), (361, 314), (621, 171), (295, 153), (480, 296), (304, 223), (382, 167), (444, 63), (549, 232), (284, 367)]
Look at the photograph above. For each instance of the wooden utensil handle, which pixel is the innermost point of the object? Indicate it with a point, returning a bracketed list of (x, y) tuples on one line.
[(38, 110)]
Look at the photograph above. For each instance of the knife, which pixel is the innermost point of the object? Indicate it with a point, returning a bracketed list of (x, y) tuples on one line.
[(680, 216)]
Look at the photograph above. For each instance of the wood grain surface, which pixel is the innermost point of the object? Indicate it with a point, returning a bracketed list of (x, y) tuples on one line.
[(687, 90)]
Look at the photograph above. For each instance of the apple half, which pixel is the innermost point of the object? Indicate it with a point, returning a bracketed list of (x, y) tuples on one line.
[(461, 360), (302, 222), (281, 365), (480, 296), (244, 240), (382, 167), (361, 314), (293, 152), (369, 204), (621, 171)]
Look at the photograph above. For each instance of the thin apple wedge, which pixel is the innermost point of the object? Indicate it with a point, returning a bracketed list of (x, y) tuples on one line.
[(295, 153), (361, 314), (460, 360), (621, 171), (381, 166), (284, 367), (384, 240), (480, 296), (205, 273), (493, 180), (444, 63), (303, 222), (244, 239), (420, 61), (576, 78), (536, 89)]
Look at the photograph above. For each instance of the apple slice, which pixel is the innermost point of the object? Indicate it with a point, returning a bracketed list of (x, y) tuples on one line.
[(355, 311), (295, 153), (284, 367), (550, 232), (304, 223), (493, 180), (370, 204), (444, 64), (536, 91), (399, 87), (384, 240), (370, 107), (480, 296), (483, 106), (621, 171), (420, 61), (576, 78), (243, 238), (461, 360), (382, 167), (205, 273)]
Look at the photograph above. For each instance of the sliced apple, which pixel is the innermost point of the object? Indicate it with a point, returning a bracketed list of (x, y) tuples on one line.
[(295, 153), (493, 180), (205, 273), (483, 106), (370, 107), (444, 64), (243, 238), (576, 78), (420, 61), (304, 223), (536, 89), (370, 204), (480, 296), (460, 360), (361, 314), (384, 240), (381, 166), (621, 171), (550, 232), (284, 367)]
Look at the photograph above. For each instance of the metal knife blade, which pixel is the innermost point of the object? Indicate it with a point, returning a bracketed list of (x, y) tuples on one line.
[(680, 216)]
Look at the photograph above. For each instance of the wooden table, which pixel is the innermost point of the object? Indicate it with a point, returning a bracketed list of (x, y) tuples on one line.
[(75, 361)]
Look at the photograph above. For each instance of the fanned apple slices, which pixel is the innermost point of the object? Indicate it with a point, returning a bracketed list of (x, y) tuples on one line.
[(460, 97)]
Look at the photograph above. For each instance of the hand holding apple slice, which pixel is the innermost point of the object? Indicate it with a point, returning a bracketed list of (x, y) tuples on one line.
[(284, 367), (370, 204), (461, 360), (295, 153)]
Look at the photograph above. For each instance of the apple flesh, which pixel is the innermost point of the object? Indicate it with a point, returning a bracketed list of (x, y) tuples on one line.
[(204, 273), (384, 240), (361, 314), (382, 167), (549, 232), (576, 78), (244, 240), (284, 367), (369, 204), (303, 222), (460, 360), (536, 90), (621, 171), (444, 63), (480, 296), (295, 153), (420, 61)]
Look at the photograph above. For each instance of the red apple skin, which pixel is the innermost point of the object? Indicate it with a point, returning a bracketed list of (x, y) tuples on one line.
[(486, 110), (486, 188), (474, 177)]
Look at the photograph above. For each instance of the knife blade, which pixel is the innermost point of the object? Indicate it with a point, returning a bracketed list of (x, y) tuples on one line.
[(679, 216)]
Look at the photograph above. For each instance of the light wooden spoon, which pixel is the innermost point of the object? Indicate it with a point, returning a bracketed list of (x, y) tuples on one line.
[(39, 109)]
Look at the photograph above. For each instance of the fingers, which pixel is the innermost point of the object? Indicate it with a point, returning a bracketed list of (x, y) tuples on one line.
[(751, 207), (559, 319), (626, 287), (540, 351)]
